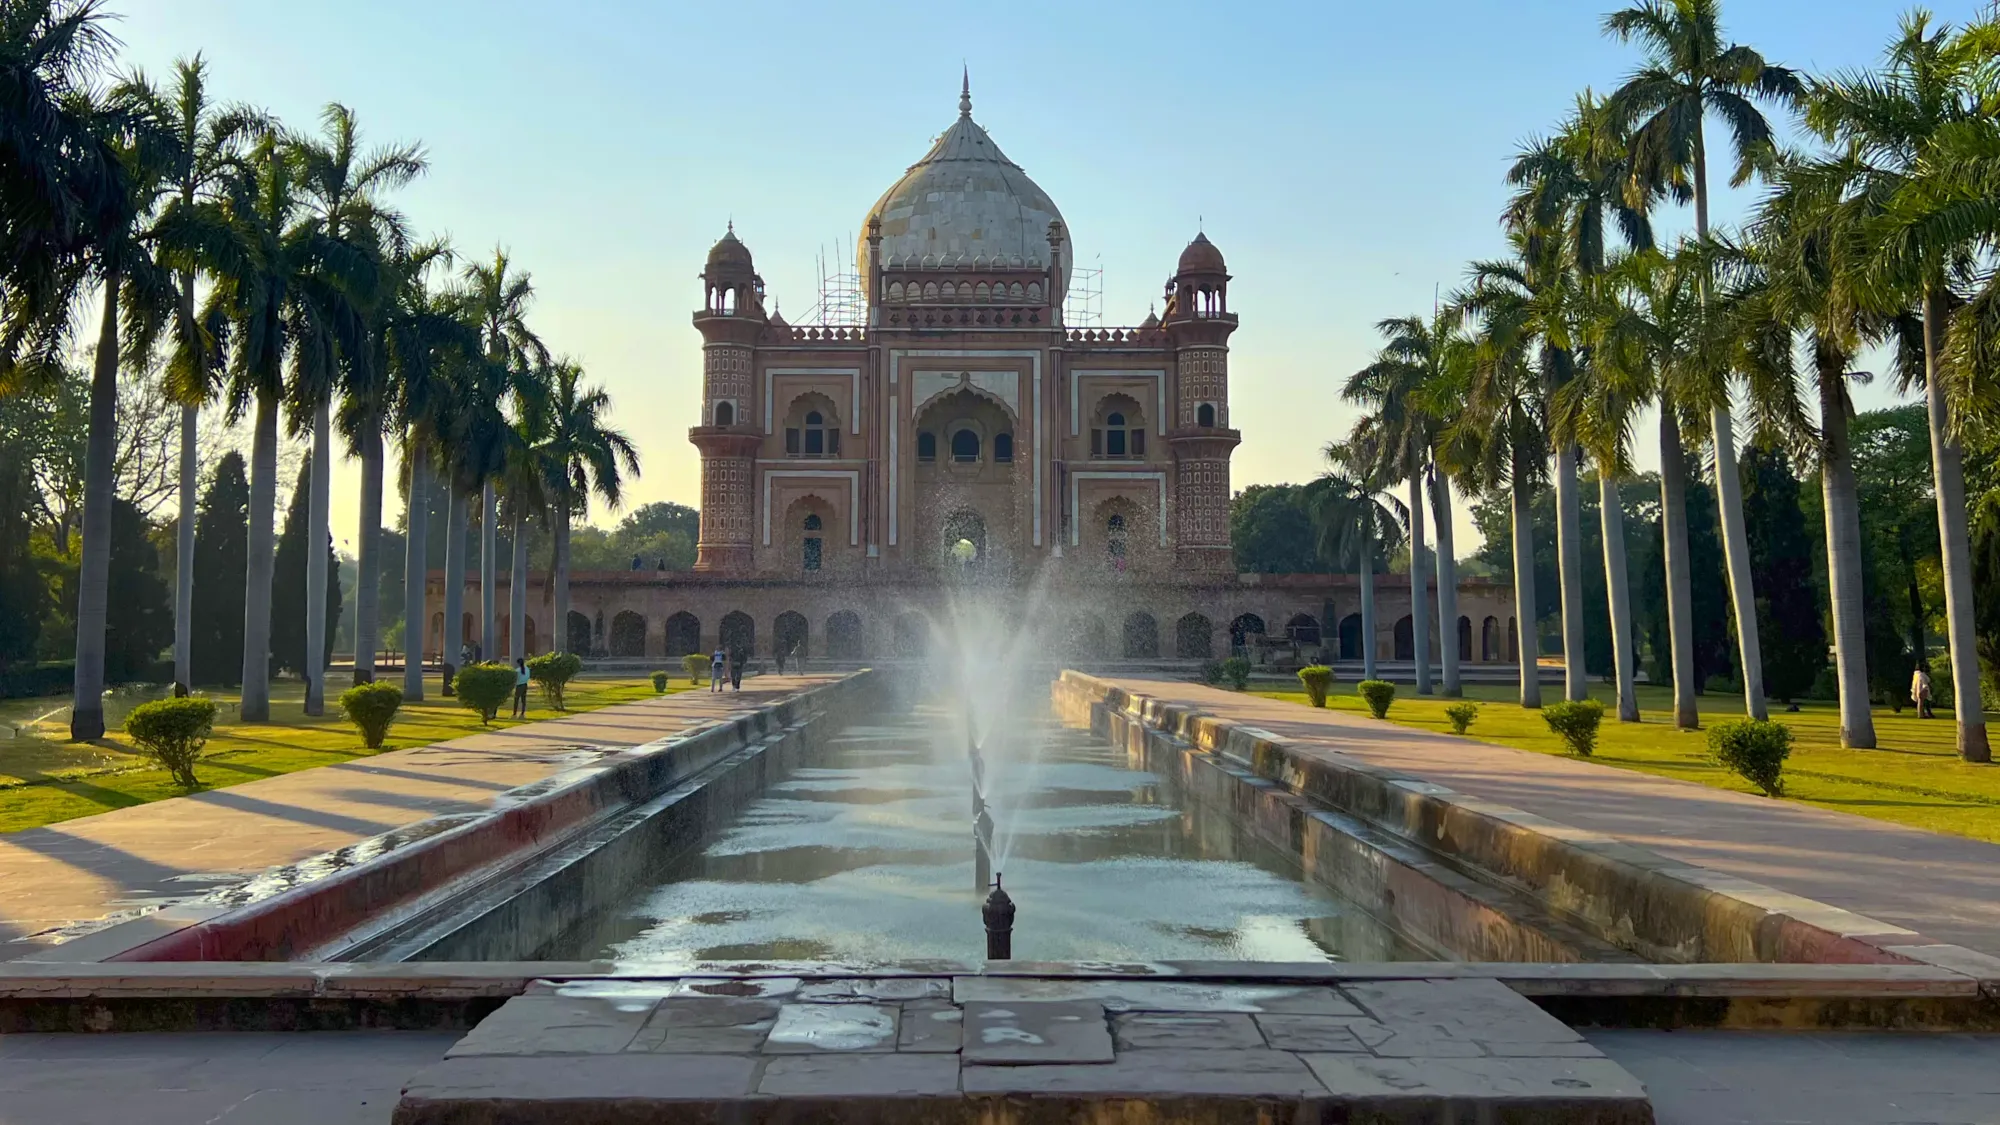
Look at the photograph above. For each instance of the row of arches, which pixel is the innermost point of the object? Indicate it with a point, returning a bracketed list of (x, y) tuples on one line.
[(681, 634), (965, 291), (1497, 640)]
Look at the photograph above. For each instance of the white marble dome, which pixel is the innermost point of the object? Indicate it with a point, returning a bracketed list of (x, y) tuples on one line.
[(964, 201)]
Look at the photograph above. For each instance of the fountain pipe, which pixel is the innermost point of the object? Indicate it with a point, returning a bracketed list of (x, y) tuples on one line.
[(999, 915), (982, 851)]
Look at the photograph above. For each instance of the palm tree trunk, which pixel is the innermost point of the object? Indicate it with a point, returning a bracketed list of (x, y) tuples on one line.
[(1843, 558), (454, 585), (1954, 543), (1524, 591), (1617, 591), (517, 594), (1367, 610), (93, 579), (1420, 624), (489, 565), (1447, 568), (1736, 552), (1569, 558), (368, 558), (317, 540), (1680, 580), (256, 705), (416, 569), (559, 578), (190, 485)]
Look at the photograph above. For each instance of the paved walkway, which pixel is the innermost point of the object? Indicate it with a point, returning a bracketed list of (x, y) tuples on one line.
[(70, 878), (1947, 887)]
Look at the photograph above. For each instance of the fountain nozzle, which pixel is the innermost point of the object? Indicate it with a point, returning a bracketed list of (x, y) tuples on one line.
[(999, 915)]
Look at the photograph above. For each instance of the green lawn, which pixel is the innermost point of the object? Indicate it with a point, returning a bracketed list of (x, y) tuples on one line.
[(44, 778), (1914, 777)]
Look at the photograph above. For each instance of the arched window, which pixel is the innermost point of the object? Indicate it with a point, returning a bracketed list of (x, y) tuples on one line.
[(1121, 433), (817, 435), (725, 414), (1114, 435), (814, 546), (1115, 541), (965, 446), (1204, 415), (927, 446), (1003, 448)]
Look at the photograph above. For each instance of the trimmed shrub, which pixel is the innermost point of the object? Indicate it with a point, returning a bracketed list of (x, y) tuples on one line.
[(173, 731), (1461, 715), (484, 687), (1211, 673), (1378, 694), (1755, 750), (696, 664), (659, 683), (1236, 670), (1316, 678), (553, 671), (1575, 722), (372, 707)]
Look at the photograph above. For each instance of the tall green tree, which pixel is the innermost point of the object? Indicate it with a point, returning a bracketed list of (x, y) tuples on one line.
[(24, 595), (221, 554), (582, 456), (1270, 526), (1781, 557), (1708, 645), (1355, 528), (1690, 71), (293, 579), (139, 619)]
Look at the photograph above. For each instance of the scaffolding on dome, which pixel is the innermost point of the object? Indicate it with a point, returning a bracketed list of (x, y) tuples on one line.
[(1083, 305), (841, 303)]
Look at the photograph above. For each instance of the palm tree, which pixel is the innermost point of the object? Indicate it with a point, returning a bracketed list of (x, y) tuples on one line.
[(1354, 526), (524, 494), (286, 288), (1690, 72), (495, 301), (586, 456), (1406, 387), (345, 186), (202, 140), (1574, 186), (1501, 437), (1906, 130)]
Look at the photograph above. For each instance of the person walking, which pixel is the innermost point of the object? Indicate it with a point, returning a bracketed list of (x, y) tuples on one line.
[(1920, 692), (520, 688), (736, 658), (780, 657), (718, 668)]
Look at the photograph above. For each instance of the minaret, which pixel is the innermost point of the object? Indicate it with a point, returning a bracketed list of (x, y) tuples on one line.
[(730, 319), (1198, 323)]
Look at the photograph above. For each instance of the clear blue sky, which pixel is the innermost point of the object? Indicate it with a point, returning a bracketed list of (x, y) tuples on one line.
[(1346, 157)]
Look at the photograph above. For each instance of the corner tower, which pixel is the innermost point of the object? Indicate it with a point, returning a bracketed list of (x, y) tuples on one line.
[(730, 319), (1198, 323)]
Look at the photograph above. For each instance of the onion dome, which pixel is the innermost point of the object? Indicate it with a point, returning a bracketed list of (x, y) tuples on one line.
[(729, 256), (1201, 256)]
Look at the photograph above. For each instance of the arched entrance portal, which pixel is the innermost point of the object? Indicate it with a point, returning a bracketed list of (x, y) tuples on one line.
[(1142, 637), (962, 544), (1194, 637), (1242, 629), (628, 635), (1350, 637), (579, 633), (791, 630), (683, 634), (739, 633), (843, 636)]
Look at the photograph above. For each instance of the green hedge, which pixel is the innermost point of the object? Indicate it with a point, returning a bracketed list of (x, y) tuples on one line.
[(1461, 715), (659, 683), (1316, 678), (553, 671), (1755, 749), (484, 687), (1211, 673), (696, 666), (58, 677), (173, 731), (1378, 694), (1236, 670), (372, 707), (1575, 721)]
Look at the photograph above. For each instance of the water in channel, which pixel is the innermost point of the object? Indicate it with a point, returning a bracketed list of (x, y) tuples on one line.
[(866, 855)]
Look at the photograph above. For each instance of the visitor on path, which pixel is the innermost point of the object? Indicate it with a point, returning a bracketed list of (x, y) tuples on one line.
[(736, 658), (780, 655), (718, 668), (465, 654), (1920, 692), (520, 688)]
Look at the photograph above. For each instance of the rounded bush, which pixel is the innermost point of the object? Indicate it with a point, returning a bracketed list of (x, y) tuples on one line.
[(1461, 715), (1316, 678), (1575, 722), (1236, 670), (553, 671), (659, 683), (1211, 673), (484, 687), (371, 707), (173, 731), (696, 665), (1755, 749), (1378, 694)]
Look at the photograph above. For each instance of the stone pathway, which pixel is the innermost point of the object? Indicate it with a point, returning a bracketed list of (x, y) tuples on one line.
[(1946, 887), (79, 875)]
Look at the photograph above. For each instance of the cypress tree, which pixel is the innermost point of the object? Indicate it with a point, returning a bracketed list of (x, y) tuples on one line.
[(288, 586), (23, 593), (1790, 630), (221, 553), (139, 614)]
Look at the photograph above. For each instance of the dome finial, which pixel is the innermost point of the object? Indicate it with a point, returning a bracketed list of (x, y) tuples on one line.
[(965, 93)]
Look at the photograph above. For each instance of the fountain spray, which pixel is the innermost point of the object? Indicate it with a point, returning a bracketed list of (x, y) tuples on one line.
[(999, 915)]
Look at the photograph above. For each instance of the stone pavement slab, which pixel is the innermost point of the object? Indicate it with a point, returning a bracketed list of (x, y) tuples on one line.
[(68, 879), (820, 1028), (1142, 1031), (1061, 1031), (1851, 862)]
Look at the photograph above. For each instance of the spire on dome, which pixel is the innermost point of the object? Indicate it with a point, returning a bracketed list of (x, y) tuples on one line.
[(965, 93)]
